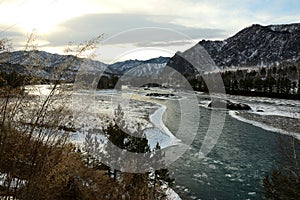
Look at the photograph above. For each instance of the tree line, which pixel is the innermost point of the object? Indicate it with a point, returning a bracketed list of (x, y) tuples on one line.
[(281, 81)]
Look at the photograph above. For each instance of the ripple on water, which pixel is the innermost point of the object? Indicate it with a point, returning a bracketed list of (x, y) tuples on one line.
[(252, 193), (198, 175), (228, 175), (212, 166)]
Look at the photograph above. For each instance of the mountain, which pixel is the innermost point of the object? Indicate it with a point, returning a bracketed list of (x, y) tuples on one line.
[(257, 46), (145, 70), (43, 64), (254, 46), (125, 66), (193, 61)]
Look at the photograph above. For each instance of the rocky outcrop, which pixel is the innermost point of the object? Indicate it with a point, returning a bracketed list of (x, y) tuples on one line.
[(160, 95), (226, 104)]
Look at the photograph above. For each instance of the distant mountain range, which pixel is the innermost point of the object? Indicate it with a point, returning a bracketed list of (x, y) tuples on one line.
[(125, 66), (43, 64), (254, 46)]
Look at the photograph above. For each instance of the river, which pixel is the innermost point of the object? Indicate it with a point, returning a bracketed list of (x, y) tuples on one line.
[(234, 169)]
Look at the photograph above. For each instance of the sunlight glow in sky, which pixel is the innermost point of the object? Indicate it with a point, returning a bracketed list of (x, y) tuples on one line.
[(57, 22)]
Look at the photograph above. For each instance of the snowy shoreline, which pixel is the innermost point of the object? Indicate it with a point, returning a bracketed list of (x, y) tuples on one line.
[(235, 115), (156, 119), (264, 112)]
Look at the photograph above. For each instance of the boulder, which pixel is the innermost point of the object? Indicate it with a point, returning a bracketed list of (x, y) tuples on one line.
[(226, 104), (159, 95)]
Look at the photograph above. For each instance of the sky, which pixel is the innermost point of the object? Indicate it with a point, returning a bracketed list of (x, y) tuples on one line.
[(135, 29)]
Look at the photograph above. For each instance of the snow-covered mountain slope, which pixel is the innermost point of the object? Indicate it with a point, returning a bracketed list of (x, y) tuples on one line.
[(44, 64), (146, 70), (254, 46), (193, 61), (125, 66), (47, 65)]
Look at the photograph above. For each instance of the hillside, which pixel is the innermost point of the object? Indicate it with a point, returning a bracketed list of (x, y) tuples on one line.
[(257, 61), (125, 66), (47, 65), (254, 46)]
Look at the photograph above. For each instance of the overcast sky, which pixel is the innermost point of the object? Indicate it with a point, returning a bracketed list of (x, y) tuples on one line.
[(136, 28)]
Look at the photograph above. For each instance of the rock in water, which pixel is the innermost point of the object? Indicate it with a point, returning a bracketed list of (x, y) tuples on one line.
[(226, 104)]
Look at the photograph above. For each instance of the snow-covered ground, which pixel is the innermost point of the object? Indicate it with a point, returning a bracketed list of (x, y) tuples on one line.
[(277, 115), (12, 183), (93, 110), (138, 110), (172, 195), (160, 134), (264, 125)]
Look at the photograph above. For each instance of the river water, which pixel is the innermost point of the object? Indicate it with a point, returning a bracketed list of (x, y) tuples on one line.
[(234, 169)]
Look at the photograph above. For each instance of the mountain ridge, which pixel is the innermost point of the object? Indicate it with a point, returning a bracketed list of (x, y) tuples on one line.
[(254, 46), (125, 66), (43, 64)]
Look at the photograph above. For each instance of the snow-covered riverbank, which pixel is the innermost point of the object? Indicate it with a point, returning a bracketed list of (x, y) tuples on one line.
[(273, 123), (160, 133), (276, 115), (160, 136)]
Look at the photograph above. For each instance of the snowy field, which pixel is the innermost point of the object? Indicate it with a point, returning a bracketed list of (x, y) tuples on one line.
[(97, 110)]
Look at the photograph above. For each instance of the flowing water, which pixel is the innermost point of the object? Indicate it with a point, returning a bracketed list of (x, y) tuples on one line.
[(234, 169)]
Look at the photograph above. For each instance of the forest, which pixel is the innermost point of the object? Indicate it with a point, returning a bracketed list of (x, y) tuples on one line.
[(277, 81)]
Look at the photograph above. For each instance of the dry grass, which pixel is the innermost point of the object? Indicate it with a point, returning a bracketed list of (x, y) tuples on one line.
[(36, 159)]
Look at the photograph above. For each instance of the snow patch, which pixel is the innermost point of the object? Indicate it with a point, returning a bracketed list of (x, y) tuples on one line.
[(172, 195), (161, 130)]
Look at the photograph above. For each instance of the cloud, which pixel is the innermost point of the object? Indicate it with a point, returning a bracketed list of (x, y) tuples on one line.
[(163, 44), (10, 33), (128, 28), (205, 19)]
